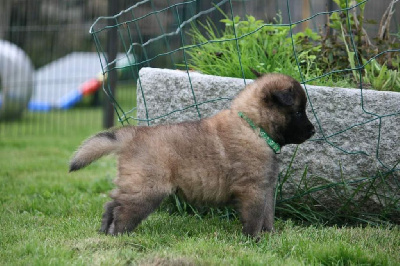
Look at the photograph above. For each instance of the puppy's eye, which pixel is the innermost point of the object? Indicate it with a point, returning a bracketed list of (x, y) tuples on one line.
[(299, 113)]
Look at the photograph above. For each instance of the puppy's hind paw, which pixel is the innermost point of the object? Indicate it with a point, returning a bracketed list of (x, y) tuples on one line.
[(108, 218), (111, 229)]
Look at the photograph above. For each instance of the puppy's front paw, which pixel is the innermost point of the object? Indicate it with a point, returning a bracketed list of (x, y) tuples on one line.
[(268, 229)]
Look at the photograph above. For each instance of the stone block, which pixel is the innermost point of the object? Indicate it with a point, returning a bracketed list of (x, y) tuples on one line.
[(358, 132)]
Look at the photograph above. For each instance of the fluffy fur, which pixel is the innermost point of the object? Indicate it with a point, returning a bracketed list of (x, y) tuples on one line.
[(217, 160)]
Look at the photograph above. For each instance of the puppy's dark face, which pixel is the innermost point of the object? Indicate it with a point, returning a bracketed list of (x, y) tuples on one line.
[(292, 102), (286, 100)]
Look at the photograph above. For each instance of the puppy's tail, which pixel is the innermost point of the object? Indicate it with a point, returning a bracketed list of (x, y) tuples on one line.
[(101, 144)]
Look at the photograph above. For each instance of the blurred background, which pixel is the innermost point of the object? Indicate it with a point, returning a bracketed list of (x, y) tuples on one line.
[(51, 70)]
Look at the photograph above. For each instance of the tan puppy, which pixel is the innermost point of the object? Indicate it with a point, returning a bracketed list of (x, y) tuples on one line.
[(221, 159)]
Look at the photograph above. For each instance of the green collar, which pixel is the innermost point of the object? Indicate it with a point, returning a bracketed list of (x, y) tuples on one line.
[(275, 146)]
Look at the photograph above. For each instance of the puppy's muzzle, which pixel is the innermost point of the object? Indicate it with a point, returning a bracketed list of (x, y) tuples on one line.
[(311, 131)]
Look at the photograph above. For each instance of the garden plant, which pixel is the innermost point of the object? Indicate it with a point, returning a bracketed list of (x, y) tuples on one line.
[(332, 56)]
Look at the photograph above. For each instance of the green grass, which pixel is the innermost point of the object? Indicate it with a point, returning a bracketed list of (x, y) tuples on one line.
[(51, 217)]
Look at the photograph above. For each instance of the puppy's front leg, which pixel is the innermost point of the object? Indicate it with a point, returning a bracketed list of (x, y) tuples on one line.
[(251, 208), (269, 211)]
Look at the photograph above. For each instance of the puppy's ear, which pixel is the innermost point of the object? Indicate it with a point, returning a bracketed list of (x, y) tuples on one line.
[(255, 72), (283, 97)]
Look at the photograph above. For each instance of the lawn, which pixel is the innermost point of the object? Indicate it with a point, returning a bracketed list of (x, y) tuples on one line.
[(49, 216)]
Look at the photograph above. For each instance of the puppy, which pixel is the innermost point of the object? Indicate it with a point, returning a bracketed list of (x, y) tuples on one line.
[(229, 157)]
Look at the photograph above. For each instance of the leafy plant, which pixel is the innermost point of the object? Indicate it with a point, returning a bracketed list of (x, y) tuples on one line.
[(262, 47), (246, 44), (346, 38), (380, 76)]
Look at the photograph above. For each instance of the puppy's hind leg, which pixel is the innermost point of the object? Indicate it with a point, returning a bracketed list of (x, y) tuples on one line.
[(108, 216), (129, 210)]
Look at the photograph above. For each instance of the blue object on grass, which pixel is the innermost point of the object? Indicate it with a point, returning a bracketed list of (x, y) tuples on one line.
[(70, 99), (39, 107), (58, 84)]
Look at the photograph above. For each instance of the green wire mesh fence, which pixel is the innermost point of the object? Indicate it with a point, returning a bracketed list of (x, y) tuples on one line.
[(182, 30)]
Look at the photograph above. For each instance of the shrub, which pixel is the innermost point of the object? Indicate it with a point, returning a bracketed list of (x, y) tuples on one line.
[(250, 44), (264, 48)]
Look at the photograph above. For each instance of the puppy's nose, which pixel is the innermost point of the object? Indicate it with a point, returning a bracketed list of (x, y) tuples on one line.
[(312, 131)]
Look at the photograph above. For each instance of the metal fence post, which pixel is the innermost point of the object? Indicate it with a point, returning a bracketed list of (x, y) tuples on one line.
[(112, 47)]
